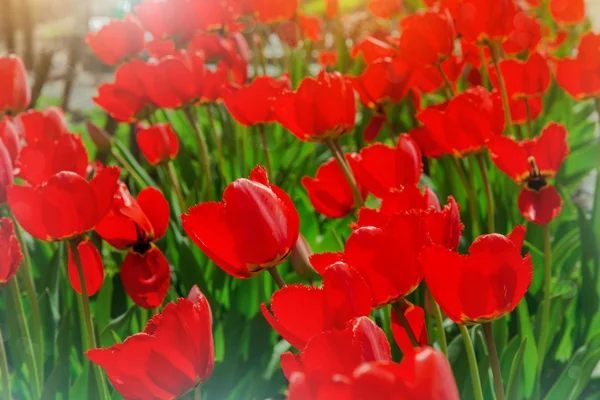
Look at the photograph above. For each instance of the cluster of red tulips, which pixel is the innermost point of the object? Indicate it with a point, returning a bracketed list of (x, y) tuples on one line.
[(473, 74)]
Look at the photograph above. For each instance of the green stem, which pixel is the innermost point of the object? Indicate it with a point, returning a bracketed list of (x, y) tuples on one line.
[(489, 196), (544, 325), (334, 147), (4, 373), (449, 89), (87, 317), (203, 153), (439, 321), (265, 146), (529, 122), (218, 142), (36, 319), (470, 196), (176, 185), (503, 90), (276, 277), (143, 317), (129, 168), (30, 359), (398, 308), (494, 361), (477, 392)]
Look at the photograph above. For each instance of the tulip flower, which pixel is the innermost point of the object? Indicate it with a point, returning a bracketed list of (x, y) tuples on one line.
[(300, 111), (158, 143), (310, 27), (36, 126), (15, 94), (170, 19), (462, 126), (329, 191), (372, 49), (385, 9), (481, 21), (580, 76), (254, 228), (532, 163), (327, 58), (383, 168), (427, 38), (430, 80), (268, 12), (117, 41), (10, 137), (173, 354), (136, 224), (484, 285), (415, 316), (567, 12), (384, 247), (526, 36), (10, 251), (231, 50), (300, 312), (332, 7), (253, 103)]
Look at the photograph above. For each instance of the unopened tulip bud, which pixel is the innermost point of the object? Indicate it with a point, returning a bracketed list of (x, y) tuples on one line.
[(300, 259), (99, 136)]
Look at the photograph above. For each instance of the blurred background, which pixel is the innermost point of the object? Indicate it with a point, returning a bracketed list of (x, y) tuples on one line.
[(50, 37)]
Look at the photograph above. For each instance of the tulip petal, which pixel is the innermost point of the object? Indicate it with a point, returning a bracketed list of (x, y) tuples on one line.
[(91, 263), (146, 277), (540, 207), (416, 320), (27, 205), (156, 208)]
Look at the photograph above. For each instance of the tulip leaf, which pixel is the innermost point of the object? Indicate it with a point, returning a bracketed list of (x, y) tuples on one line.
[(514, 378), (120, 325), (530, 361), (58, 381)]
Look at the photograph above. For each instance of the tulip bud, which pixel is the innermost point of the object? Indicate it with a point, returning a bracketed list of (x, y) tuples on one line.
[(10, 137), (300, 259), (158, 143), (10, 251), (15, 94), (99, 136)]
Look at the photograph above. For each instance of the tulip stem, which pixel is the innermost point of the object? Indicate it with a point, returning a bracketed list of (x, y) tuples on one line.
[(439, 321), (4, 373), (489, 196), (449, 89), (470, 196), (543, 338), (125, 164), (87, 317), (398, 308), (276, 277), (494, 361), (218, 142), (203, 153), (30, 359), (36, 319), (529, 122), (475, 381), (338, 154), (265, 146), (502, 85), (176, 185)]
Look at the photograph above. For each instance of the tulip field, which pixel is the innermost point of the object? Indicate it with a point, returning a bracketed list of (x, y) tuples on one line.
[(326, 199)]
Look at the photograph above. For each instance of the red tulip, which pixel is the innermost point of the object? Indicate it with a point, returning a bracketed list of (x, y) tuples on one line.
[(10, 137), (6, 172), (173, 354), (567, 12), (329, 191), (92, 266), (372, 49), (15, 94), (427, 38), (214, 82), (38, 162), (301, 112), (173, 19), (422, 374), (327, 58), (524, 79), (232, 50), (332, 7), (386, 253), (10, 251), (484, 285), (386, 9), (532, 163), (125, 99), (430, 80), (36, 126), (160, 48), (253, 104), (254, 228), (310, 27), (383, 168), (526, 36), (415, 316), (484, 20), (268, 11), (117, 41), (464, 125), (301, 312), (158, 143), (136, 224), (64, 206), (580, 76)]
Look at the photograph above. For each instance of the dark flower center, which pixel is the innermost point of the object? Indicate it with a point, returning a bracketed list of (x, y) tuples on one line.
[(142, 247), (536, 180)]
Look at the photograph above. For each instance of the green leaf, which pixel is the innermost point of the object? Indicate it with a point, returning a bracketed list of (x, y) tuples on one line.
[(530, 360), (512, 388), (59, 379), (121, 325)]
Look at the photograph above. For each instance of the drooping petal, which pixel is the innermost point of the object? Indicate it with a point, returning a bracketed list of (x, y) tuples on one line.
[(146, 277), (91, 263), (156, 209), (540, 207), (416, 320)]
